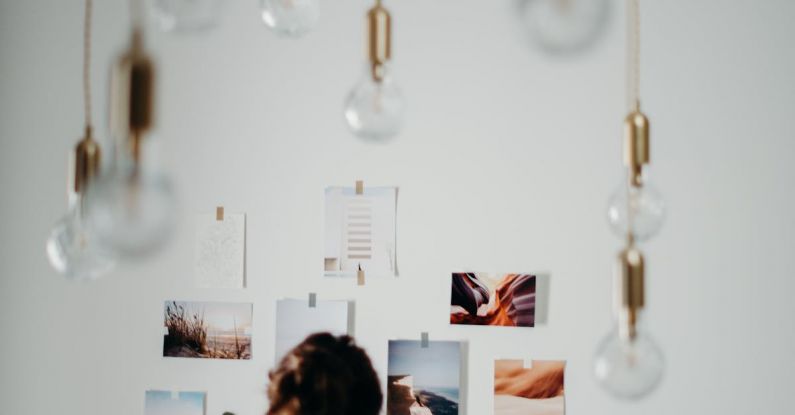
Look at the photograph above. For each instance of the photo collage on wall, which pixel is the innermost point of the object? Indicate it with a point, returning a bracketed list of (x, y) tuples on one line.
[(360, 238)]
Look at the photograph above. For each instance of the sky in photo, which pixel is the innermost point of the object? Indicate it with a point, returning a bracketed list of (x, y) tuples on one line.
[(163, 403), (437, 366)]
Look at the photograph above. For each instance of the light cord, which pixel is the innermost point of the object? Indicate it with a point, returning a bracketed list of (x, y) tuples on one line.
[(633, 55), (633, 94), (87, 63)]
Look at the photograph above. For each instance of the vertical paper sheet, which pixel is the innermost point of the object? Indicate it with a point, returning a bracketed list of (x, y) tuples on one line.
[(360, 231), (220, 251)]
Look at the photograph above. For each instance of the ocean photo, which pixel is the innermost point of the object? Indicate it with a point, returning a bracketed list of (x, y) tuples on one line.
[(423, 380)]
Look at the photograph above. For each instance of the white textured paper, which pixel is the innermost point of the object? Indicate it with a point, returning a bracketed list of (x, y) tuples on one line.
[(220, 251)]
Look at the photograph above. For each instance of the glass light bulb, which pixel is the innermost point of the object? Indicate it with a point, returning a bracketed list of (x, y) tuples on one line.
[(561, 26), (131, 208), (374, 109), (628, 369), (643, 205), (187, 15), (291, 18), (74, 251)]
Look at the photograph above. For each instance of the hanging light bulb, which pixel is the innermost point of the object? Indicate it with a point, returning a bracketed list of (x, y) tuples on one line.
[(292, 18), (636, 197), (628, 362), (187, 15), (375, 107), (131, 207), (564, 26), (72, 249)]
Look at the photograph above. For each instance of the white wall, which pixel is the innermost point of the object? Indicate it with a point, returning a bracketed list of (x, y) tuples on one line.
[(505, 164)]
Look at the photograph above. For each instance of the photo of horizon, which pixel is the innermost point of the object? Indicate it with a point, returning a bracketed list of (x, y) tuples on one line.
[(211, 330), (423, 380)]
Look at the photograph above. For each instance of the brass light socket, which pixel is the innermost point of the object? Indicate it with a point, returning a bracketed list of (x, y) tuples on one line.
[(379, 36), (132, 90), (87, 161), (629, 286), (636, 145)]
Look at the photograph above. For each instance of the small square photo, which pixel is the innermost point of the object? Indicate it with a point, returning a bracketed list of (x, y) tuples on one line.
[(423, 380)]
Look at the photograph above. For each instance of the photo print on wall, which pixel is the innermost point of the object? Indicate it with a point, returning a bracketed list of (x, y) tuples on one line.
[(537, 390), (360, 231), (220, 250), (423, 380), (207, 330), (174, 403), (296, 320), (493, 299)]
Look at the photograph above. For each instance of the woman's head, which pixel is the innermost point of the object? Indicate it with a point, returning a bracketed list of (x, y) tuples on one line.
[(325, 375)]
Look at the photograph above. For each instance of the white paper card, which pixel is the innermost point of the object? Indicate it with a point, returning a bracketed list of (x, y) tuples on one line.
[(295, 320), (220, 251)]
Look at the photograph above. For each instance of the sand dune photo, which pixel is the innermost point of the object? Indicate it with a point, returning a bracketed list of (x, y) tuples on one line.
[(207, 330), (529, 391), (493, 300)]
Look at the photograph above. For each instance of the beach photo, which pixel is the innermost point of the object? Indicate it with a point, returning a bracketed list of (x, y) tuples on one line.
[(484, 299), (360, 232), (207, 330), (537, 390), (423, 380), (174, 403), (296, 320)]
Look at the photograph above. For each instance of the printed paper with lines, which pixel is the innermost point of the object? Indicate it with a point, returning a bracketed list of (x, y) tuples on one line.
[(360, 232)]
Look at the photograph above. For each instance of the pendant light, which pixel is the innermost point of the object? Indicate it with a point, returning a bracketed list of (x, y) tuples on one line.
[(72, 249), (131, 207), (290, 18), (187, 15), (628, 363), (375, 107), (563, 26)]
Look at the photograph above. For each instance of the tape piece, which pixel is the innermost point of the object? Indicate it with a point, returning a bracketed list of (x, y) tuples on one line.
[(359, 187), (219, 213), (312, 300), (424, 342), (360, 275)]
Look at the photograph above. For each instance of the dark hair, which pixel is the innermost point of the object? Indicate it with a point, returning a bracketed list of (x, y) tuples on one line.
[(325, 375)]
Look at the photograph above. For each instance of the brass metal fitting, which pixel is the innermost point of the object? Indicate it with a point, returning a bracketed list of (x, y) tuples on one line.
[(132, 90), (629, 290), (379, 45), (87, 160), (636, 145)]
